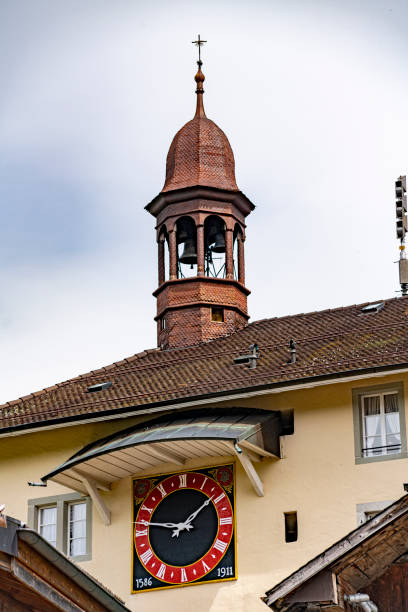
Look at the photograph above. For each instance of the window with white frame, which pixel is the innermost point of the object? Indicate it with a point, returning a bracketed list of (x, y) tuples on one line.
[(47, 523), (379, 423), (76, 529), (65, 522)]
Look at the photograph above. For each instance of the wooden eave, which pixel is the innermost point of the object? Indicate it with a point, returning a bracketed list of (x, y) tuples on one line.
[(35, 577), (166, 198), (348, 566)]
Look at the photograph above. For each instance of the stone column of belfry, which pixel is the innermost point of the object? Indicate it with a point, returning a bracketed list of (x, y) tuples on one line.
[(200, 182), (160, 244), (200, 250), (173, 253), (229, 260), (241, 260)]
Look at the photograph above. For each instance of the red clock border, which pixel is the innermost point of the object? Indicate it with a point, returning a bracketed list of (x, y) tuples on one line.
[(176, 575)]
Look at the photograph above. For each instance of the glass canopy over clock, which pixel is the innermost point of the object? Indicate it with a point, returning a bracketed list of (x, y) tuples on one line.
[(169, 442)]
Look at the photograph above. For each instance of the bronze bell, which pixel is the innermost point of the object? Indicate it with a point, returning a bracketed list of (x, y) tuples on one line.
[(219, 246), (189, 255), (182, 235), (212, 233)]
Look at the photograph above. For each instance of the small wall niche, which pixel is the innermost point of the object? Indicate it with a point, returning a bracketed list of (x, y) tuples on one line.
[(291, 526)]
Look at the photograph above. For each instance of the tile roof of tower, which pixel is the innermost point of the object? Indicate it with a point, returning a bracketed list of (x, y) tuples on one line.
[(329, 344), (200, 153)]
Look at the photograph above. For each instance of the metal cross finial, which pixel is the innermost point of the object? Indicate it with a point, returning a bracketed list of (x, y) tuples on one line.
[(199, 43)]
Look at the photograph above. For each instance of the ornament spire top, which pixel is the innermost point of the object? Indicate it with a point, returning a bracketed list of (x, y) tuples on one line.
[(199, 79)]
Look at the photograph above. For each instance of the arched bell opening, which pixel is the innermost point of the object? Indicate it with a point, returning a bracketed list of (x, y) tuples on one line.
[(186, 238), (214, 247), (164, 255), (238, 254)]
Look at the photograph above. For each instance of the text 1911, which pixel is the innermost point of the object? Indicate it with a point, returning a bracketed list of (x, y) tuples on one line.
[(222, 572)]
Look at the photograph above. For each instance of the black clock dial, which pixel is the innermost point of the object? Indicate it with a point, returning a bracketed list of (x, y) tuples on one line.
[(189, 545)]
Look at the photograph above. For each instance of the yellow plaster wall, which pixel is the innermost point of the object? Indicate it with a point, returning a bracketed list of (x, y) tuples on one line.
[(317, 477)]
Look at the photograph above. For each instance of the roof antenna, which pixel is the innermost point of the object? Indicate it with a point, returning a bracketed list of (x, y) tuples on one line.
[(401, 221)]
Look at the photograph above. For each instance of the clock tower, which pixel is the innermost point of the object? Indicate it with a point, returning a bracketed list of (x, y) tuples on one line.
[(200, 215)]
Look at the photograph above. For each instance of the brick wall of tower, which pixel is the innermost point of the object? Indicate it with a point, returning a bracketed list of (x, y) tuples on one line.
[(205, 290), (192, 325), (184, 310)]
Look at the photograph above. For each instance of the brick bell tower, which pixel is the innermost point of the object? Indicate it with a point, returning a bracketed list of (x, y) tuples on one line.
[(200, 215)]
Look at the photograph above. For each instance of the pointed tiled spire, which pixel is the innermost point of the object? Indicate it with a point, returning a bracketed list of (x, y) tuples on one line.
[(200, 153), (199, 79)]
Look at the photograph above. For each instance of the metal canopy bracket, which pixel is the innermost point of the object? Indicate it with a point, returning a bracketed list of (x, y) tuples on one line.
[(247, 464), (92, 488)]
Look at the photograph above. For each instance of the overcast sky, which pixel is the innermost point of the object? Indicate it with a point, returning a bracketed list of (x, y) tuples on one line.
[(313, 97)]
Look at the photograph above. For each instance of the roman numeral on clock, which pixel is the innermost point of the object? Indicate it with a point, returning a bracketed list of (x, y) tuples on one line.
[(143, 532), (219, 498), (162, 490), (219, 545), (150, 510), (183, 575), (205, 566), (183, 480), (226, 520), (162, 571), (147, 555)]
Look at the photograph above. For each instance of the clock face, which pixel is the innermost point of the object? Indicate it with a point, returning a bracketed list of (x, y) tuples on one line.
[(184, 528)]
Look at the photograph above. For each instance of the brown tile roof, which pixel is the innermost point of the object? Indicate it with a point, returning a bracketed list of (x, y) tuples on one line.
[(329, 342)]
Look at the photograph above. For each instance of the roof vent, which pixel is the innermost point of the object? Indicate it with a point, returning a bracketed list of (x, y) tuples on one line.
[(373, 307), (250, 359), (99, 387), (292, 348)]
